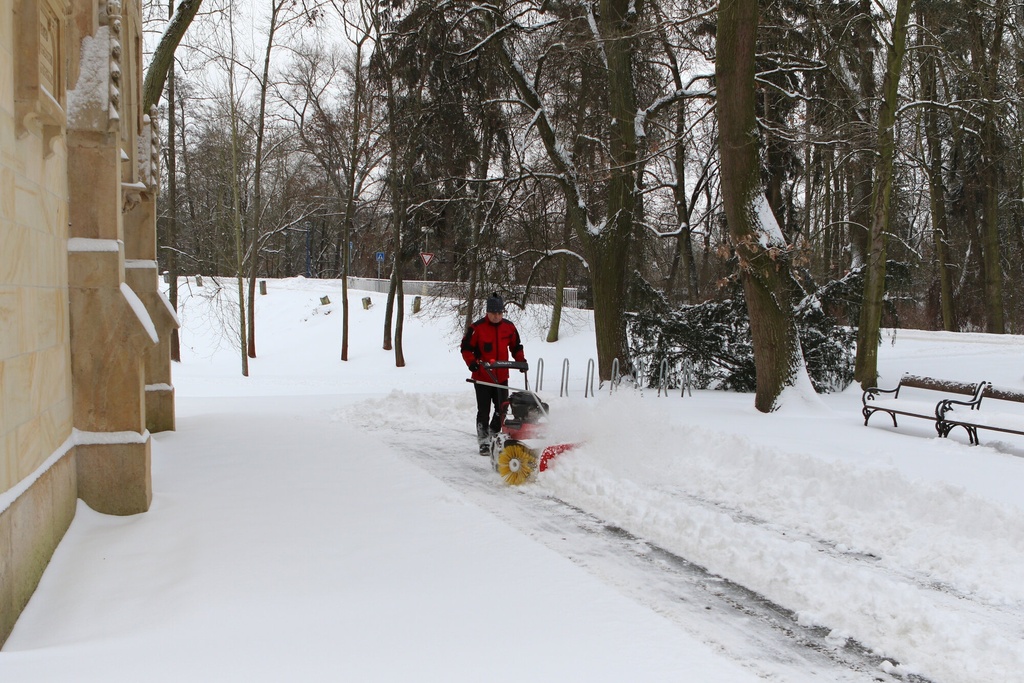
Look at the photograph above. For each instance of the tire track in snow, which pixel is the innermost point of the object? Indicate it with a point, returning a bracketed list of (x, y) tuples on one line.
[(1010, 617), (752, 630)]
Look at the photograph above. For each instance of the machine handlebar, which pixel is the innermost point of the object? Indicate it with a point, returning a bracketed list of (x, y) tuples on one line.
[(506, 365)]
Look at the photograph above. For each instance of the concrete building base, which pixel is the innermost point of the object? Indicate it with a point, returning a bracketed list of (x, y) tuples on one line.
[(115, 478), (30, 529)]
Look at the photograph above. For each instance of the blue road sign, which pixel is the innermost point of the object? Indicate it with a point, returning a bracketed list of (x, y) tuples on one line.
[(379, 256)]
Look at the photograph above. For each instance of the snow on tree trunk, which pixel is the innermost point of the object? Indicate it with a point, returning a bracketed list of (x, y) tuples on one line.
[(759, 243)]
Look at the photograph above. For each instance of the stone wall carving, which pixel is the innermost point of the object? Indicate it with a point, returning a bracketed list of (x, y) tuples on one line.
[(149, 151), (110, 15), (95, 101), (40, 40), (84, 329)]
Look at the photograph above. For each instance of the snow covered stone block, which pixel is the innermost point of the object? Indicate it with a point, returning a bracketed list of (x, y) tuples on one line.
[(160, 408), (95, 269), (114, 477)]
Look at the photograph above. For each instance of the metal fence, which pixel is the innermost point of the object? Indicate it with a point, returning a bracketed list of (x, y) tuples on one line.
[(538, 295)]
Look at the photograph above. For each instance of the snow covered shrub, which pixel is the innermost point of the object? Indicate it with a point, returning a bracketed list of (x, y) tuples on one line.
[(715, 338)]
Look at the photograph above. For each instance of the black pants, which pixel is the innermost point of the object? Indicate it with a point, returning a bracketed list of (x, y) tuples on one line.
[(487, 424)]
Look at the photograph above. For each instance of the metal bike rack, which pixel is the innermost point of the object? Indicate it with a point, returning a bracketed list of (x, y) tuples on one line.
[(616, 377), (663, 377), (686, 379)]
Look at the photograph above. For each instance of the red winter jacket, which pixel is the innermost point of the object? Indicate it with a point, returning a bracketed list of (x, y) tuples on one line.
[(486, 342)]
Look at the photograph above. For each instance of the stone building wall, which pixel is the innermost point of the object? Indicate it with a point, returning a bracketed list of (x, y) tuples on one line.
[(84, 332)]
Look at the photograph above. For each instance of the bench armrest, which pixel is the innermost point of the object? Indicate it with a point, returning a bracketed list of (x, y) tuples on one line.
[(871, 393), (947, 404)]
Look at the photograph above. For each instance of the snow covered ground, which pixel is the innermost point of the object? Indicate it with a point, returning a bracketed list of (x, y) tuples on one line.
[(323, 520)]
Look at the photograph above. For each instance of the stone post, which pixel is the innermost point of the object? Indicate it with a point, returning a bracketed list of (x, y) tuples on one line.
[(111, 329), (142, 275)]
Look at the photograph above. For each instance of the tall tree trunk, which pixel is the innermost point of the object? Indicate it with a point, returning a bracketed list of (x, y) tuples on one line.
[(986, 67), (683, 256), (936, 182), (398, 175), (187, 177), (350, 188), (774, 161), (171, 234), (1018, 207), (607, 244), (474, 274), (758, 241), (556, 309), (476, 225), (560, 280), (610, 248), (866, 369), (399, 323), (236, 203), (346, 236), (389, 307), (861, 182), (256, 226)]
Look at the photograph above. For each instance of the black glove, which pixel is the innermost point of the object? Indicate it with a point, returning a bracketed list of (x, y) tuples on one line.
[(474, 366)]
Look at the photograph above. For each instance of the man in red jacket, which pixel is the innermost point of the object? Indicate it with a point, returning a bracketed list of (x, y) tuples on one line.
[(489, 339)]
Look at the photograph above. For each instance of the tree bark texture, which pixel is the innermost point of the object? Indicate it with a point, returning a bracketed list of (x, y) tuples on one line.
[(236, 209), (163, 57), (350, 188), (256, 224), (986, 62), (861, 180), (866, 369), (764, 271), (171, 233), (936, 183)]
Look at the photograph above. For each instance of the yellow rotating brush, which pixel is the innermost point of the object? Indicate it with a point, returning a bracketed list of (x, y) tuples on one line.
[(516, 463)]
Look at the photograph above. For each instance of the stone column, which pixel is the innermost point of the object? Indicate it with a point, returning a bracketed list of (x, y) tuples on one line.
[(142, 276), (111, 330)]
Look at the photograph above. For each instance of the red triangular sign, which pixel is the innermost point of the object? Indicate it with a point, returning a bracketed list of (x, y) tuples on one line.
[(427, 257)]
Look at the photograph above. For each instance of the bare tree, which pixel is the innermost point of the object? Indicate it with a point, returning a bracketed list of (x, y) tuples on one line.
[(986, 60), (236, 204)]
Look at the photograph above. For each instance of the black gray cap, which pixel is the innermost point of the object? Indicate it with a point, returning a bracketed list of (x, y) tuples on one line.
[(495, 304)]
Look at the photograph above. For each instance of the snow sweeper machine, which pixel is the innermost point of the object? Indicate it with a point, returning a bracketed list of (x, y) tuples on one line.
[(520, 448)]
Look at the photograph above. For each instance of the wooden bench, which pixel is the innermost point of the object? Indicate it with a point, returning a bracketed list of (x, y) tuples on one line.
[(876, 400), (970, 415)]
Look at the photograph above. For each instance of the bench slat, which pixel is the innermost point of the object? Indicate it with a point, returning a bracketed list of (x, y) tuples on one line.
[(986, 419), (1004, 394), (902, 406), (945, 385)]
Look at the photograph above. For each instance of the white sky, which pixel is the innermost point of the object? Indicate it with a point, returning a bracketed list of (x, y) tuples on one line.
[(323, 520)]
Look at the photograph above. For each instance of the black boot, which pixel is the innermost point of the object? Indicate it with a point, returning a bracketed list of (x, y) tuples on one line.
[(483, 437)]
